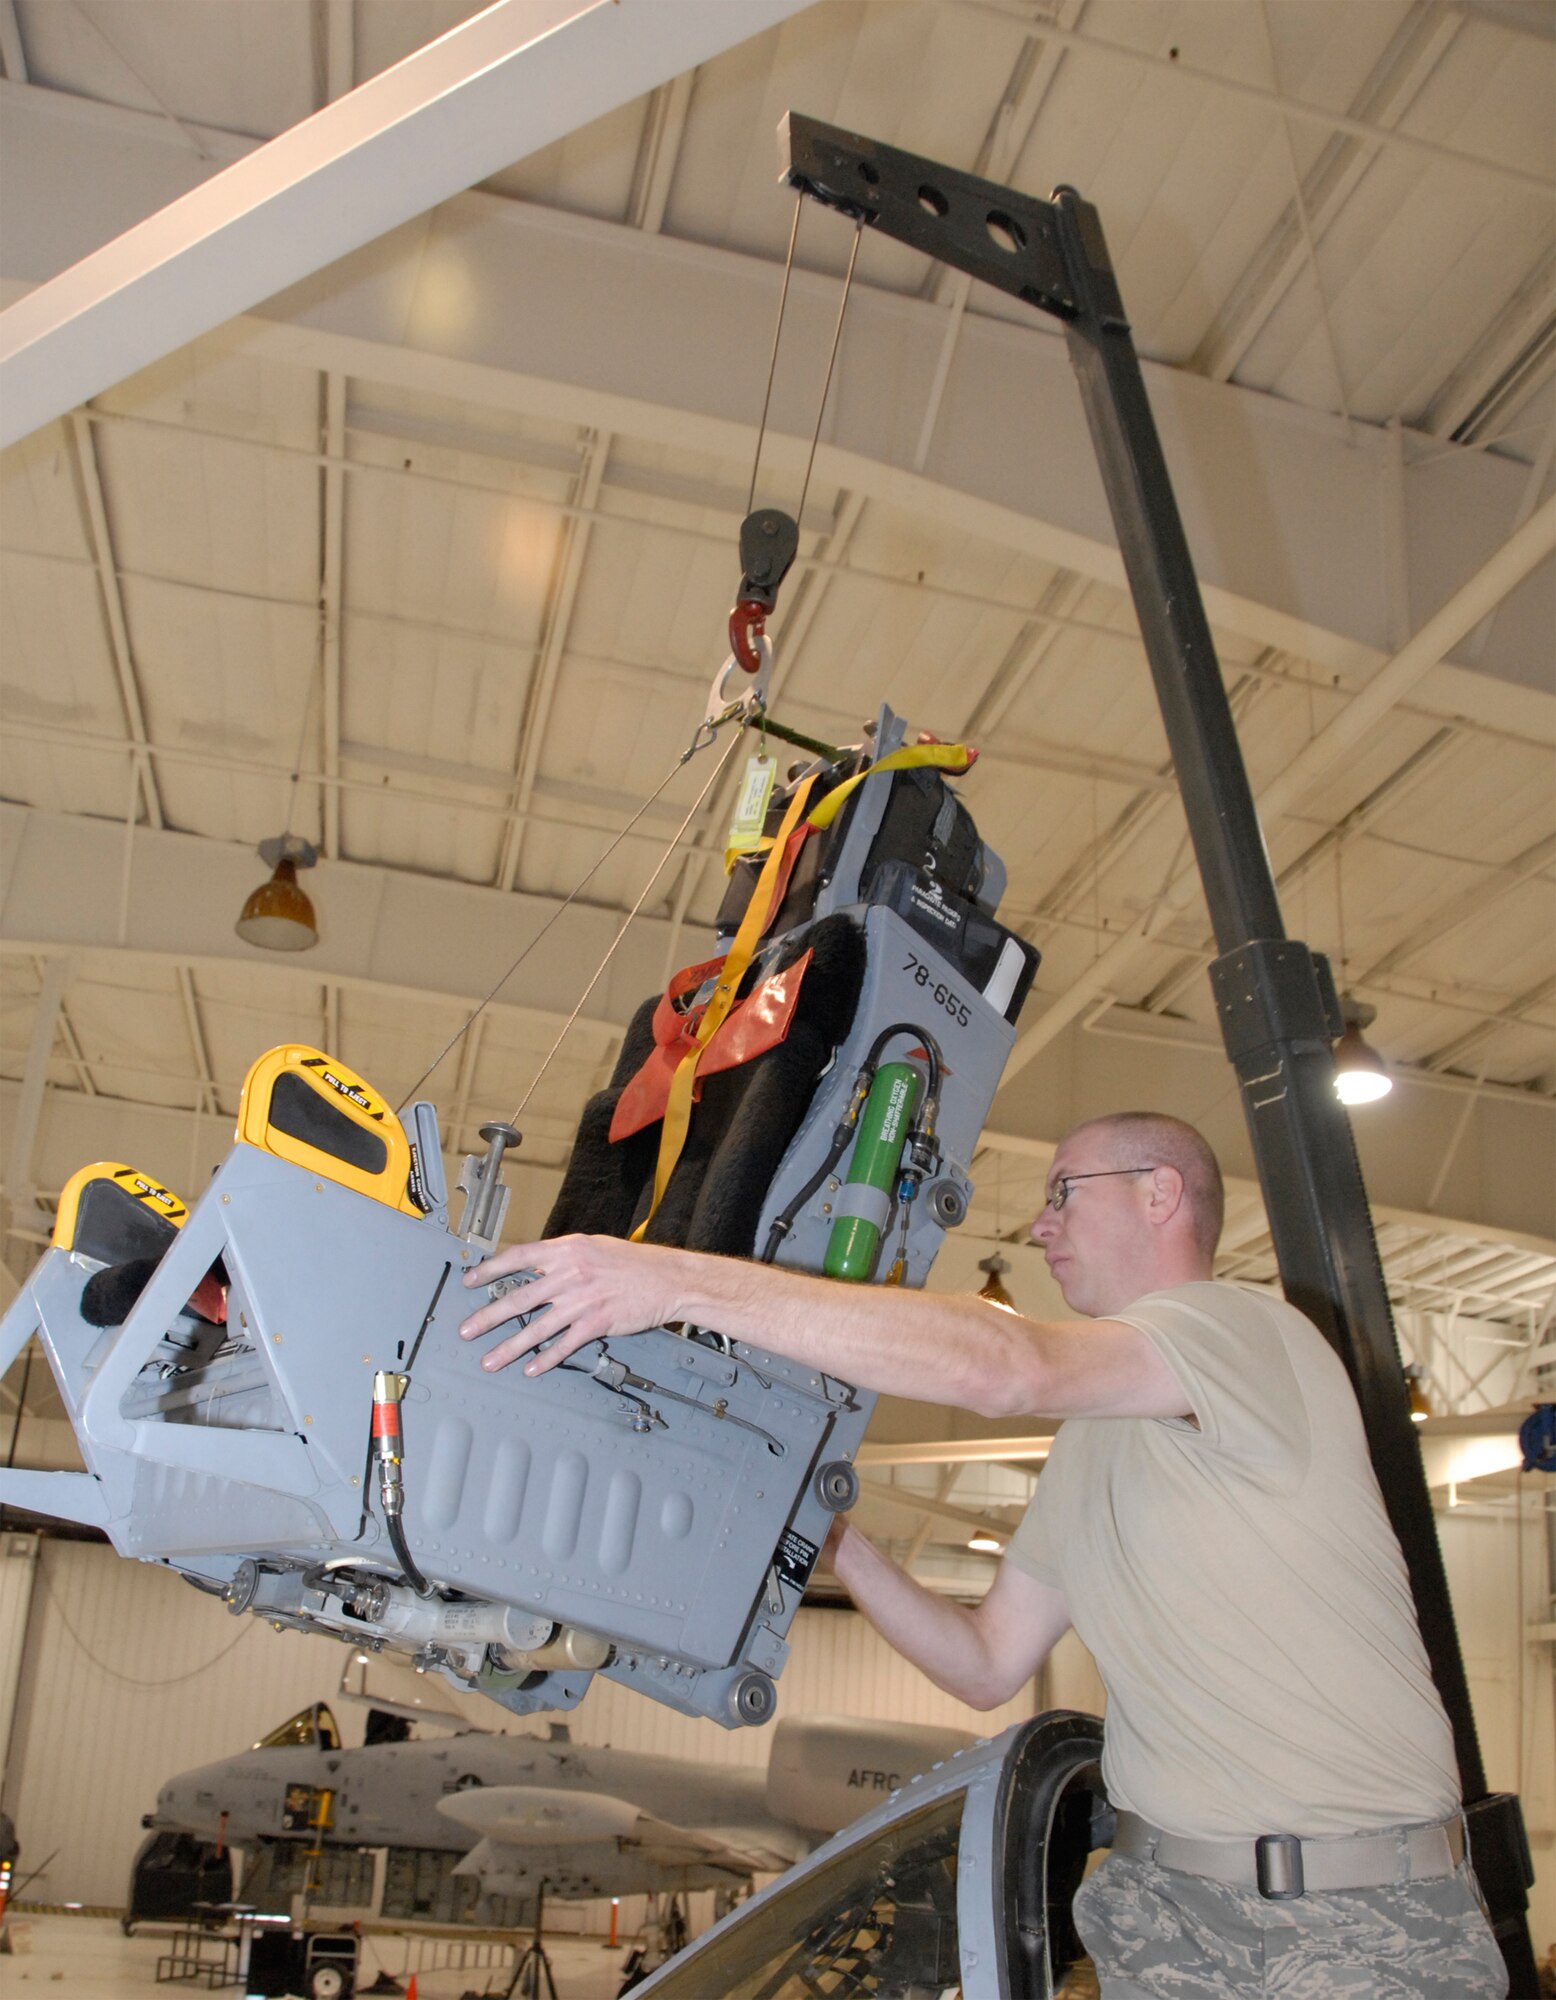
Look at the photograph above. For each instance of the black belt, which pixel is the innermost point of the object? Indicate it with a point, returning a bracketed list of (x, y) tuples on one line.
[(1279, 1865)]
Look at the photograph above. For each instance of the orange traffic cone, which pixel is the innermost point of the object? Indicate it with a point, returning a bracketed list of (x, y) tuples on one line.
[(410, 1991)]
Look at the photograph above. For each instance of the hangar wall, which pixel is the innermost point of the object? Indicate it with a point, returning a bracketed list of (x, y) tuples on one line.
[(129, 1675), (1497, 1572)]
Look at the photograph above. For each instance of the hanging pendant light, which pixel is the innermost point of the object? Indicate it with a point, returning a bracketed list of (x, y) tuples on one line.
[(992, 1291), (1420, 1408), (1360, 1074), (278, 916)]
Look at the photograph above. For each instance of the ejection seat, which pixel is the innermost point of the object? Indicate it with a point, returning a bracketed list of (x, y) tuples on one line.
[(269, 1391)]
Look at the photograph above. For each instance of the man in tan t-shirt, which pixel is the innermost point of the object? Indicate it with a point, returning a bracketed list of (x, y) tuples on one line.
[(1210, 1524)]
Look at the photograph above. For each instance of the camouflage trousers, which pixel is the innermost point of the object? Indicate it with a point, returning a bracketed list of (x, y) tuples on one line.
[(1159, 1934)]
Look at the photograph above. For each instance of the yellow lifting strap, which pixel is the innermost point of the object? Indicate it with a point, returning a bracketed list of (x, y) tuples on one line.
[(912, 756), (678, 1106), (954, 757)]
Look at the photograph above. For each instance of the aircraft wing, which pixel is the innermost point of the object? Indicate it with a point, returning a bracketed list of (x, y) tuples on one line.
[(538, 1816)]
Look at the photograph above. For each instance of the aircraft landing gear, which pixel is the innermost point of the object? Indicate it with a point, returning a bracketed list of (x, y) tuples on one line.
[(666, 1933)]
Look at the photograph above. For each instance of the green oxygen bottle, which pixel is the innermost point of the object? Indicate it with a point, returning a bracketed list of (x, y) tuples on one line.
[(862, 1205)]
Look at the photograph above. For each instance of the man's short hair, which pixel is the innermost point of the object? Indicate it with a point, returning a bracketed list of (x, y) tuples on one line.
[(1153, 1138)]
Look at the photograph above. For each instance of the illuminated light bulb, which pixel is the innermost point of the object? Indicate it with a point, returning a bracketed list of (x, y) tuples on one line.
[(1360, 1074)]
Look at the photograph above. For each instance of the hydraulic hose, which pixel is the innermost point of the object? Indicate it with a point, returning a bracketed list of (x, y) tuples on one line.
[(389, 1449)]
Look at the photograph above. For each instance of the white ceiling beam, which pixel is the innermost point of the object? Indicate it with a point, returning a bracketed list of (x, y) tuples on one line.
[(881, 1494), (924, 1533), (22, 1146), (1397, 79), (572, 805), (1288, 514), (1152, 807), (194, 1027), (663, 130), (553, 801), (181, 1147), (567, 804), (384, 929), (957, 1451), (1028, 86), (13, 55), (332, 555), (1384, 796), (1459, 909), (1455, 1051), (1285, 511), (1529, 546), (1517, 16), (560, 600), (1245, 1198), (99, 537), (340, 49), (515, 77), (550, 1131), (340, 67), (1114, 1021), (73, 1049), (81, 1127), (1279, 103), (1515, 346)]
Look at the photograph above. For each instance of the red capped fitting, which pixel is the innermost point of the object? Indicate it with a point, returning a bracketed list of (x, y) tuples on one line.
[(388, 1393)]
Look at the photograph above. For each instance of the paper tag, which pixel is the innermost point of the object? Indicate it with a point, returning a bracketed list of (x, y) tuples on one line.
[(756, 791)]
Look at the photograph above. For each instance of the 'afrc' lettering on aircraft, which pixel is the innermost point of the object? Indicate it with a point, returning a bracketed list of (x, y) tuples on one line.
[(873, 1781)]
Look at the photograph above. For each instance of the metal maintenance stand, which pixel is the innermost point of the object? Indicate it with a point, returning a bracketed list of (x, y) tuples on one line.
[(1274, 997), (534, 1966)]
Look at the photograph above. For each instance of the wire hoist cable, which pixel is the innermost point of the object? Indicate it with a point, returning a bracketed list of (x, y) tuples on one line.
[(769, 538), (769, 541), (704, 736), (626, 923)]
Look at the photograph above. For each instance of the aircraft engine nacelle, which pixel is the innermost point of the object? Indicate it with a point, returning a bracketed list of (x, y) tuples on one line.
[(826, 1770)]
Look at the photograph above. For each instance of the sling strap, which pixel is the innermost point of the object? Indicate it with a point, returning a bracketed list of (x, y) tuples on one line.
[(954, 757), (678, 1106)]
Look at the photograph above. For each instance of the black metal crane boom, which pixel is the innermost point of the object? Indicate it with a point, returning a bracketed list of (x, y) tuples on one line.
[(1274, 997)]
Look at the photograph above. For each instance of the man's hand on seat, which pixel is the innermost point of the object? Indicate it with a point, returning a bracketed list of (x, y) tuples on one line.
[(579, 1288)]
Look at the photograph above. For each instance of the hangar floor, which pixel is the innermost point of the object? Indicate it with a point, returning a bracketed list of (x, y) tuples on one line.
[(90, 1959)]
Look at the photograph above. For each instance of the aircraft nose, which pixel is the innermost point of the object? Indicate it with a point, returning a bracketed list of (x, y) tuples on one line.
[(172, 1807), (189, 1802)]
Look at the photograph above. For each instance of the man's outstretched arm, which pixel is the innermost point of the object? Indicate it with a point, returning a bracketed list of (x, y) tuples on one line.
[(933, 1347), (981, 1654)]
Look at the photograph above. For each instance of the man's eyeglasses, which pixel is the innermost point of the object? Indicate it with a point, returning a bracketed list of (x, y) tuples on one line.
[(1059, 1194)]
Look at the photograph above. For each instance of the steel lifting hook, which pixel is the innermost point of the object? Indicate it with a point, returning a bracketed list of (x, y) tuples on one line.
[(769, 542)]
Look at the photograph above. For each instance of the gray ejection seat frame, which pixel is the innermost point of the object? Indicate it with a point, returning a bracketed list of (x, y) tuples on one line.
[(652, 1508)]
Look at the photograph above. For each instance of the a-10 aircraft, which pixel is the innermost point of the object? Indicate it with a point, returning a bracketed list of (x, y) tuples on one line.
[(526, 1810)]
